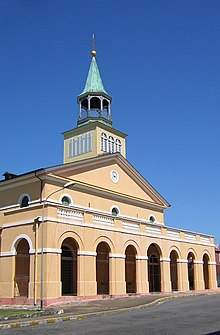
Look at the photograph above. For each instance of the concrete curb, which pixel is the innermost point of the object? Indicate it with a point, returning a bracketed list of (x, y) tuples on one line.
[(70, 317), (35, 322)]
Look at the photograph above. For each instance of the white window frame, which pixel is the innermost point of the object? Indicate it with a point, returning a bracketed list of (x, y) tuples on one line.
[(22, 197), (68, 196)]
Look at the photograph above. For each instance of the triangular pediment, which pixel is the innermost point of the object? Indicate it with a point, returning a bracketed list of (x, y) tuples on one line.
[(111, 175)]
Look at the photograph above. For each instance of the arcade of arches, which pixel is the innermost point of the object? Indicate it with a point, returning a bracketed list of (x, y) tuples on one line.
[(105, 264)]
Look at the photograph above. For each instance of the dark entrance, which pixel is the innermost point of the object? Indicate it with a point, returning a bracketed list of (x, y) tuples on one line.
[(22, 269), (173, 270), (190, 259), (102, 268), (206, 271), (154, 268), (130, 269), (69, 267)]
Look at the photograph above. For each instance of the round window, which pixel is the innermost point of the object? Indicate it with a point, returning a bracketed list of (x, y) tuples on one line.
[(152, 219), (115, 211), (66, 201)]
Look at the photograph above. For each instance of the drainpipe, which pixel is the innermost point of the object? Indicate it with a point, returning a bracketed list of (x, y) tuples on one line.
[(36, 226), (41, 185), (1, 229)]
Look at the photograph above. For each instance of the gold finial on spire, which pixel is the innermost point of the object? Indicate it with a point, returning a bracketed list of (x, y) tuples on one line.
[(93, 52)]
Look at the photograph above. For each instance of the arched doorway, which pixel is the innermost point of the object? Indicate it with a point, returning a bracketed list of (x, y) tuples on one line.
[(154, 268), (69, 267), (130, 269), (102, 268), (22, 269), (191, 275), (173, 270), (206, 271)]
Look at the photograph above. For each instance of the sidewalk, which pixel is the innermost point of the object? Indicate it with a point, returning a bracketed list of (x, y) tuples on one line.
[(79, 310)]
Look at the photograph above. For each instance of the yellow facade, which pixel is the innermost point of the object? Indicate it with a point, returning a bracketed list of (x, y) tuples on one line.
[(95, 129), (93, 226), (88, 223)]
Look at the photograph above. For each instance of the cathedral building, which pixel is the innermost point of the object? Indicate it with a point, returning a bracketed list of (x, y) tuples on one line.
[(93, 226)]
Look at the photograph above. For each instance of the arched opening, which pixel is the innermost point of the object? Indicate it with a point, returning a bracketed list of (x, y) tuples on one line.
[(130, 269), (24, 201), (154, 268), (105, 110), (95, 107), (173, 270), (69, 267), (102, 268), (83, 109), (206, 271), (22, 269), (190, 259)]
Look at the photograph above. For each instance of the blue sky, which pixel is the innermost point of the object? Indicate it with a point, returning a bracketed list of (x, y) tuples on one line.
[(159, 60)]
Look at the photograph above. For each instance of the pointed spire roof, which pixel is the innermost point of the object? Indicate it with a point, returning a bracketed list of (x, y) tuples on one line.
[(94, 81)]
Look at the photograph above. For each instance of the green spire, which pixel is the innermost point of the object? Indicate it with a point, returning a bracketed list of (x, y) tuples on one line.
[(93, 82)]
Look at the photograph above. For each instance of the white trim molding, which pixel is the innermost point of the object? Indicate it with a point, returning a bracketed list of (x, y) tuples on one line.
[(117, 256), (7, 253), (49, 251), (182, 260), (142, 258), (20, 237), (86, 253), (22, 197), (211, 263), (164, 259), (65, 195)]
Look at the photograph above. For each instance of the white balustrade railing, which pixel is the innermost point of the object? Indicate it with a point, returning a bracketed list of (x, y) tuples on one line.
[(153, 230), (130, 225), (103, 219), (173, 233), (190, 237), (70, 214)]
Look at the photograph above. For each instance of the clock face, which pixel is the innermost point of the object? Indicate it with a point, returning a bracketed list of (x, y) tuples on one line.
[(114, 176)]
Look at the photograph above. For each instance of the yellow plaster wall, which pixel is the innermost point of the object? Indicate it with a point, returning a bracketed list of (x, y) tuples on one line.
[(96, 130), (10, 195)]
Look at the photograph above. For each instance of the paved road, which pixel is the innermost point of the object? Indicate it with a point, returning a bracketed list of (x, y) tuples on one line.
[(196, 315)]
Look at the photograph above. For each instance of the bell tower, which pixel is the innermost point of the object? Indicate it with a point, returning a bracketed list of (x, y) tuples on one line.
[(94, 134), (94, 102)]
